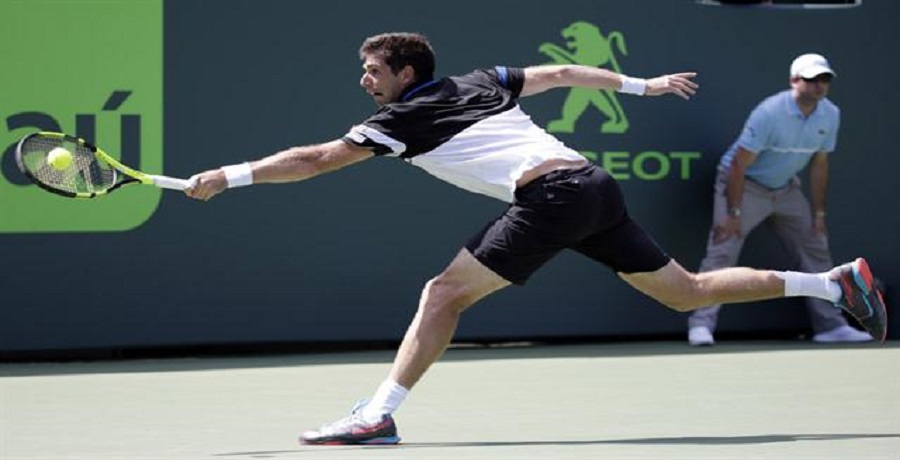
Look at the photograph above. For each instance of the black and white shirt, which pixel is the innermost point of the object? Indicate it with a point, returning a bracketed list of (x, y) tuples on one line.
[(467, 130)]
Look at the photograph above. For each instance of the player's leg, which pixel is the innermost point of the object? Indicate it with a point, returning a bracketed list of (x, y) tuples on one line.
[(461, 284), (443, 299), (851, 286), (682, 290)]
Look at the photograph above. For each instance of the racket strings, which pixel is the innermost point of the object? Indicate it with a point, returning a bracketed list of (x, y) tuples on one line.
[(86, 174)]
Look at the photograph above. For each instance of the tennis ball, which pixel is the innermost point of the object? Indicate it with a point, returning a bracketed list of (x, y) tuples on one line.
[(59, 158)]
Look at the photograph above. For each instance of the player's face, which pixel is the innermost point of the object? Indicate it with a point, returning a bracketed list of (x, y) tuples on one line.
[(380, 82), (813, 89)]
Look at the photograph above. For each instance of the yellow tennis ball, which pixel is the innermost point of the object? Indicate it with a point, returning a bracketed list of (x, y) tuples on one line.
[(59, 158)]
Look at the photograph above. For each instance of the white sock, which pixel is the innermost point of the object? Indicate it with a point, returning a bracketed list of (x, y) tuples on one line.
[(386, 400), (810, 285)]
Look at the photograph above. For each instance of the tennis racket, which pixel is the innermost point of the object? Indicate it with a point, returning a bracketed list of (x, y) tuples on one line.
[(74, 168)]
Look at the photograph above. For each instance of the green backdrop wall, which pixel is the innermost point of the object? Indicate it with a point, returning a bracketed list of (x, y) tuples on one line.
[(342, 257)]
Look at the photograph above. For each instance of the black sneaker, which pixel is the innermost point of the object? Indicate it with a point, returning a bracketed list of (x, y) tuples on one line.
[(354, 429), (861, 298)]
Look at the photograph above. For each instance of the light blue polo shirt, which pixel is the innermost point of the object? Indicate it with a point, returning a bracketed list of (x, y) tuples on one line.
[(783, 139)]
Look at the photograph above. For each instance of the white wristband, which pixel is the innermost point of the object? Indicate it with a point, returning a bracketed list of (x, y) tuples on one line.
[(238, 175), (631, 85)]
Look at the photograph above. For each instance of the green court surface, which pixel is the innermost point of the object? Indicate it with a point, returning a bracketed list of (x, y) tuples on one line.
[(622, 401)]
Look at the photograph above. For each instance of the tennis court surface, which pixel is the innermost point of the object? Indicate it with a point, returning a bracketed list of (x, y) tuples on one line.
[(648, 400)]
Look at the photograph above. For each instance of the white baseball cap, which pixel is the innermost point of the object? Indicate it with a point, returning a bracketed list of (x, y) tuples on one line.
[(810, 66)]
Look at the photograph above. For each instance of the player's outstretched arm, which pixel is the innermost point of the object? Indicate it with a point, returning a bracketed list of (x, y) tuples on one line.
[(541, 78), (291, 165)]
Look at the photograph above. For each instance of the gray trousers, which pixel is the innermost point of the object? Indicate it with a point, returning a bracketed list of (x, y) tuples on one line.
[(787, 211)]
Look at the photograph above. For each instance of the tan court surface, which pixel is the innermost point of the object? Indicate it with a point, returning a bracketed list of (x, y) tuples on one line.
[(662, 400)]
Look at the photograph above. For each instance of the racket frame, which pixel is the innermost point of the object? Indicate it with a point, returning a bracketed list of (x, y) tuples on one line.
[(132, 175)]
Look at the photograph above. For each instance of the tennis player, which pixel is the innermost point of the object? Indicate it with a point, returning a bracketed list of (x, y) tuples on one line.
[(470, 131)]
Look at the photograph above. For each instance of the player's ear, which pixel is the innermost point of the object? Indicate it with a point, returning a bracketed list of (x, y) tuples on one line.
[(407, 74)]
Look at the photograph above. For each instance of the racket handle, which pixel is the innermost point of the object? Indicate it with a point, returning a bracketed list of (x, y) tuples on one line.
[(170, 183)]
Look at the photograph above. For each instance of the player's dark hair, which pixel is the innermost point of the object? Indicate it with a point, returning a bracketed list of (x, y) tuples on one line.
[(401, 49)]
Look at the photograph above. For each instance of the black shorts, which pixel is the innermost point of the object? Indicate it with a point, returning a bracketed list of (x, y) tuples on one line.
[(580, 209)]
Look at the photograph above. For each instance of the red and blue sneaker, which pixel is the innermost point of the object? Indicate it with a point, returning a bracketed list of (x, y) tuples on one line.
[(861, 298), (354, 429)]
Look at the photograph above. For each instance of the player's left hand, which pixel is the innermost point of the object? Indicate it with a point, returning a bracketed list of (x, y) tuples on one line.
[(207, 184), (679, 84)]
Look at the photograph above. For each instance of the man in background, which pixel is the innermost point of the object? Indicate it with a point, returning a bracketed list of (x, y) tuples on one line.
[(758, 183)]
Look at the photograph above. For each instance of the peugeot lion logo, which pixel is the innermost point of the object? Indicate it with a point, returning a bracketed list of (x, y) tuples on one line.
[(586, 45)]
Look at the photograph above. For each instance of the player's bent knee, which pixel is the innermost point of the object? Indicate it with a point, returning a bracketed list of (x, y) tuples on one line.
[(671, 286), (443, 294)]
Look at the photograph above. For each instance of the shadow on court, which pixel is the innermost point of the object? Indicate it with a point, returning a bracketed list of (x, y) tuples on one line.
[(685, 440)]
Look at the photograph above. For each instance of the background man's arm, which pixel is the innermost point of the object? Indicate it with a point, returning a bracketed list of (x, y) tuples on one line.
[(734, 196), (818, 186)]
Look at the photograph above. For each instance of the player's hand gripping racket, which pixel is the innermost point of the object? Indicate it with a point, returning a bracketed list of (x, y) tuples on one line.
[(71, 167)]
